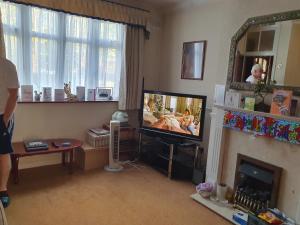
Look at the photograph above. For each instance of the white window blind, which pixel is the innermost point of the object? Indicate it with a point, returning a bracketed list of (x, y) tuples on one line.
[(50, 48)]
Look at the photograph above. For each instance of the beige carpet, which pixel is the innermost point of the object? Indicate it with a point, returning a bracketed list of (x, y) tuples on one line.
[(49, 196)]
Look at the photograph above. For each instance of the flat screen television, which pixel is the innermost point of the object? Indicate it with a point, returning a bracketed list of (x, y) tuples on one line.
[(173, 114)]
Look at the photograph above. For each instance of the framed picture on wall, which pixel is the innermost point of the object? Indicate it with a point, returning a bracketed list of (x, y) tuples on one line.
[(193, 59)]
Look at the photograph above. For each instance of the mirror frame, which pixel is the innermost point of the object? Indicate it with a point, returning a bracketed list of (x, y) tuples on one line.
[(272, 18)]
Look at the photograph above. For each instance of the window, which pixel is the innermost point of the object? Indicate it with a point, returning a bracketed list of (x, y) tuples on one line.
[(50, 48)]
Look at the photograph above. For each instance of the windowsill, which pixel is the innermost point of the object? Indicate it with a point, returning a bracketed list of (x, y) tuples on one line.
[(68, 102)]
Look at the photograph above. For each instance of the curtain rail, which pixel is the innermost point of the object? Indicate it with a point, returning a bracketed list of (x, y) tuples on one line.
[(147, 33), (125, 5)]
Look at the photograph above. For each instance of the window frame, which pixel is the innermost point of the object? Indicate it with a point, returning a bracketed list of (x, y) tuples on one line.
[(23, 27)]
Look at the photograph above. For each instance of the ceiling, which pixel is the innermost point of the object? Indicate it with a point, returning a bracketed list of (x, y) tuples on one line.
[(176, 2), (172, 4), (165, 6), (164, 2)]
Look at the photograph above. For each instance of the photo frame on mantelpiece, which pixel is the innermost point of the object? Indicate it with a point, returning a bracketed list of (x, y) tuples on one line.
[(193, 60)]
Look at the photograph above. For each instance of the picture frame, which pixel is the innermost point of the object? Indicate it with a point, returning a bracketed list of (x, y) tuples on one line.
[(80, 92), (281, 102), (103, 93), (26, 93), (249, 103), (193, 60), (233, 99), (59, 95), (47, 94), (91, 95)]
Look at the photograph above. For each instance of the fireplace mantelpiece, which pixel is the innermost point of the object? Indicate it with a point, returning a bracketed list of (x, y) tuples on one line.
[(218, 122), (258, 113), (225, 144), (284, 128)]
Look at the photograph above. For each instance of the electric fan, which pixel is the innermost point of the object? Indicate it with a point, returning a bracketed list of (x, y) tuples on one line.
[(114, 145)]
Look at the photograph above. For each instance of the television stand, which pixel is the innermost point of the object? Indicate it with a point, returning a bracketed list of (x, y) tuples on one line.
[(175, 157)]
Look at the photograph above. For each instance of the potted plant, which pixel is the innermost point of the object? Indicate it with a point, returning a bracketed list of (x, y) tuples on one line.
[(261, 90)]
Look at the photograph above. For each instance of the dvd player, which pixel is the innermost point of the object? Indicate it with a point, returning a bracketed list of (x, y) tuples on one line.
[(31, 146)]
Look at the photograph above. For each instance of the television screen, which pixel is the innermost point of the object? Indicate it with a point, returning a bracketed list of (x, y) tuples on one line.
[(178, 114)]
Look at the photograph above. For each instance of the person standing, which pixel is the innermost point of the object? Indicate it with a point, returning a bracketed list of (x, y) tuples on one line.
[(9, 88)]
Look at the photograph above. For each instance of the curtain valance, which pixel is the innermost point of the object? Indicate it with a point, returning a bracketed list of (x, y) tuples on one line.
[(94, 8)]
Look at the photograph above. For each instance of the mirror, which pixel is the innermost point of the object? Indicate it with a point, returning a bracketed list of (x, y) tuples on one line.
[(267, 48)]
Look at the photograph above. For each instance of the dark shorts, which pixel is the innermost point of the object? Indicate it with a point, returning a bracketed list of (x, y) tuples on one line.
[(6, 136)]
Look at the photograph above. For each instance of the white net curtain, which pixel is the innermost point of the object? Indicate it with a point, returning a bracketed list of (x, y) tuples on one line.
[(50, 48)]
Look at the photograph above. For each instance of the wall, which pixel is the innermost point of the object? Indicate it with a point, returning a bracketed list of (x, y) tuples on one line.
[(217, 23), (57, 120), (292, 77), (72, 120)]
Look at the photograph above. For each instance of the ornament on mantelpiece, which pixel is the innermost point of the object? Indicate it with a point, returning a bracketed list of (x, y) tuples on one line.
[(70, 97), (37, 96)]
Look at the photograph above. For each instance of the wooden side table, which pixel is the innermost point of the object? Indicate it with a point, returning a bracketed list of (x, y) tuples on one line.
[(20, 151)]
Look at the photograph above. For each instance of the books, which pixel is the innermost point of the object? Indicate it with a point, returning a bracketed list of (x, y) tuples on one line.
[(249, 103), (26, 93), (219, 94), (91, 94), (281, 102)]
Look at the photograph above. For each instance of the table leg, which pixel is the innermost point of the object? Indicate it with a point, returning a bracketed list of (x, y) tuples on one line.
[(170, 167), (63, 158), (15, 168), (71, 161)]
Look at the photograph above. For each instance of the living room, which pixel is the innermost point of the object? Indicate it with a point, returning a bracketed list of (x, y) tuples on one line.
[(140, 194)]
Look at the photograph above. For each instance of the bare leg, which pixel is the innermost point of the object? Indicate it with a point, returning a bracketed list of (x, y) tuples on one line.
[(5, 166)]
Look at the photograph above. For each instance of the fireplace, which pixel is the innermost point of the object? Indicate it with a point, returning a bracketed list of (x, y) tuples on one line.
[(256, 184)]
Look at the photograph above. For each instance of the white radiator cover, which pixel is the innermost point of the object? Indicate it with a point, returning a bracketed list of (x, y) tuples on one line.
[(215, 150)]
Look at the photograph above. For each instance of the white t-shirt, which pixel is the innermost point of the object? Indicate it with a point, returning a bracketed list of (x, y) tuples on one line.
[(8, 79), (251, 79)]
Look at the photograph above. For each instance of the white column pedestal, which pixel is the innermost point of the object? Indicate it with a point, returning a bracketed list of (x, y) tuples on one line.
[(215, 151)]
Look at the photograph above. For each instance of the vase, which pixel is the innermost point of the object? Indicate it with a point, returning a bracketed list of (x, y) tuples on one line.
[(221, 192)]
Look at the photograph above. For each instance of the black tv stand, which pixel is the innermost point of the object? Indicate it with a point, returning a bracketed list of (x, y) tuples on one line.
[(172, 156)]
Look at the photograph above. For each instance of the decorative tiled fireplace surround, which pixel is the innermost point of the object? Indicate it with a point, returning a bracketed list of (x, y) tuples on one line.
[(225, 145)]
